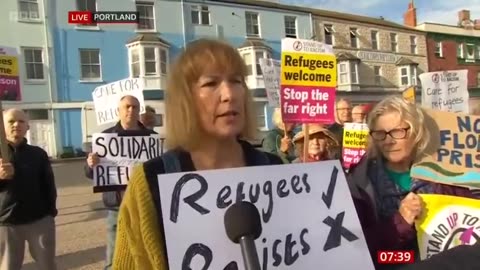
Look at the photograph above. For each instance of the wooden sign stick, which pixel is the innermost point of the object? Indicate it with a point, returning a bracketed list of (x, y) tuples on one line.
[(4, 151)]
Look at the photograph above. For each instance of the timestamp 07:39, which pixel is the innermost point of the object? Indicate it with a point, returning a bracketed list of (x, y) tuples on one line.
[(395, 256)]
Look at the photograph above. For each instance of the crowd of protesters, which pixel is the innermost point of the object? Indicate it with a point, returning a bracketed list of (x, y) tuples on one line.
[(210, 125)]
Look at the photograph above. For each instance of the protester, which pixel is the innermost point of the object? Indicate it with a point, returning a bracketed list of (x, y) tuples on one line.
[(322, 144), (384, 194), (129, 125), (343, 114), (358, 114), (148, 118), (27, 199), (462, 257), (211, 116), (278, 141)]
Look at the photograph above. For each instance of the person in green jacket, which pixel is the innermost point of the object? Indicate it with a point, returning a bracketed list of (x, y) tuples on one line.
[(279, 140)]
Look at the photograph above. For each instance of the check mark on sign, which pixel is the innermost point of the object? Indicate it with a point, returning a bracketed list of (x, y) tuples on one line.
[(328, 198)]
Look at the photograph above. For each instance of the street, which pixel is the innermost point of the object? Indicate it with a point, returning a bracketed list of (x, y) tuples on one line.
[(81, 229)]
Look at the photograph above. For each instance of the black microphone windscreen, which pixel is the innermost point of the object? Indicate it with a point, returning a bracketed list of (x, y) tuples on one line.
[(242, 219)]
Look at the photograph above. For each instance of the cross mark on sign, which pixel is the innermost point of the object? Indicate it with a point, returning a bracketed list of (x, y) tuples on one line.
[(337, 230)]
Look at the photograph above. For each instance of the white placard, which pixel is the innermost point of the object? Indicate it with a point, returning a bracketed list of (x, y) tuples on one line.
[(271, 77), (118, 155), (445, 90), (106, 98), (299, 205), (305, 46)]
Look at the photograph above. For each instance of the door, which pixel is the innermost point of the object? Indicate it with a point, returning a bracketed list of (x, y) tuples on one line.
[(40, 134)]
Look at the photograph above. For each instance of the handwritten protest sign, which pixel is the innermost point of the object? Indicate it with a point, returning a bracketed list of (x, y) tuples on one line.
[(448, 222), (9, 74), (118, 155), (453, 153), (308, 218), (445, 90), (106, 98), (308, 82), (355, 136), (271, 76)]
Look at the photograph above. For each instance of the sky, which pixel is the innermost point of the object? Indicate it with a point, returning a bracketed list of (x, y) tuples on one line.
[(437, 11)]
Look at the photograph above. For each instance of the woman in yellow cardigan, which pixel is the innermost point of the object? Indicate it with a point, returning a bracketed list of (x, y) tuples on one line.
[(209, 109)]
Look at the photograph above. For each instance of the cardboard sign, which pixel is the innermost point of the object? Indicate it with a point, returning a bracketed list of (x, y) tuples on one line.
[(445, 90), (118, 155), (9, 74), (355, 136), (308, 217), (453, 154), (271, 77), (448, 222), (308, 82), (106, 98)]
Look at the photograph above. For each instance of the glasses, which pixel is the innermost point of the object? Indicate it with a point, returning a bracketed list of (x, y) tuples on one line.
[(397, 133)]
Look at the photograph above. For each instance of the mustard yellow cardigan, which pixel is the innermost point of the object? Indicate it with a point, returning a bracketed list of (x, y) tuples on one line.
[(139, 241)]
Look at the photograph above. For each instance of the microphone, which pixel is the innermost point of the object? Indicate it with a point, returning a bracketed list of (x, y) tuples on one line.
[(243, 225)]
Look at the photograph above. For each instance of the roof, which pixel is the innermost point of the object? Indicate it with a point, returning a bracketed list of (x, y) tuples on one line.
[(453, 30), (254, 42), (148, 37), (322, 13), (405, 62), (346, 56)]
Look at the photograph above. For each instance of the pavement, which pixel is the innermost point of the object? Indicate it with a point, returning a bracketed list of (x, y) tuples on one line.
[(81, 229)]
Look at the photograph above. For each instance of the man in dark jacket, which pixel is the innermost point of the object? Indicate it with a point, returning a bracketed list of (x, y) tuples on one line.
[(129, 125), (27, 199)]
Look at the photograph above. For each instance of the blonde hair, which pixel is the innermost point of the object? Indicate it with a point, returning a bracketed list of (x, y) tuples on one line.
[(182, 121), (409, 113)]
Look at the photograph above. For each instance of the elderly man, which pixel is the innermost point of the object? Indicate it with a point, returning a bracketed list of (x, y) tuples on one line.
[(343, 110), (27, 199), (358, 114), (129, 125)]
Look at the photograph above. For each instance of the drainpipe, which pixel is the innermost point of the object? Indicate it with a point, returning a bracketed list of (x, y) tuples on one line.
[(50, 70), (311, 26), (183, 25)]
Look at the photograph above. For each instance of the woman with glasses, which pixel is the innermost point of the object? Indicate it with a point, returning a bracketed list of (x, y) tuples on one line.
[(385, 195)]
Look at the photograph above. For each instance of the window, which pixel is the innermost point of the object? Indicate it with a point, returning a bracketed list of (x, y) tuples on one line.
[(460, 53), (148, 60), (408, 75), (87, 5), (260, 110), (290, 26), (200, 15), (470, 51), (251, 56), (343, 73), (478, 79), (34, 63), (90, 66), (135, 63), (393, 42), (146, 16), (354, 37), (252, 23), (438, 49), (478, 52), (28, 10), (353, 72), (413, 44), (377, 70), (348, 72), (37, 114), (374, 37), (328, 33)]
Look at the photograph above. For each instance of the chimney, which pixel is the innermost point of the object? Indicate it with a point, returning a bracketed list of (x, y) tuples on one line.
[(410, 17), (476, 24), (463, 15)]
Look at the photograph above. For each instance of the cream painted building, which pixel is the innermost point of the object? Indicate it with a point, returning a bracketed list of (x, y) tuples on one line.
[(375, 57)]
